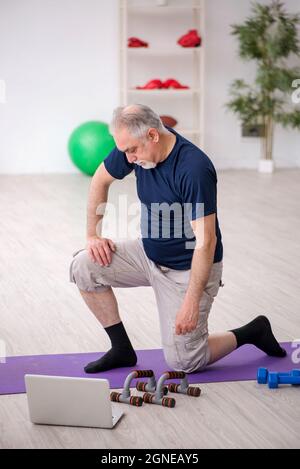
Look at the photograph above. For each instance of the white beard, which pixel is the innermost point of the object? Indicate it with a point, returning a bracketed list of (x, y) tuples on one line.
[(146, 164)]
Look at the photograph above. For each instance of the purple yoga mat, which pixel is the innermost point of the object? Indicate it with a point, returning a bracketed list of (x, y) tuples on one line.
[(241, 365)]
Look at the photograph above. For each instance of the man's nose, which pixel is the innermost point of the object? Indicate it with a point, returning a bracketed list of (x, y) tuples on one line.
[(131, 159)]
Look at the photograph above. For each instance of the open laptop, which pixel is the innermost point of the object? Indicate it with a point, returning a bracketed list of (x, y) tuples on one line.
[(76, 402)]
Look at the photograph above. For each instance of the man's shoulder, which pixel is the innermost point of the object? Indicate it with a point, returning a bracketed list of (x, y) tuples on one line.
[(193, 159)]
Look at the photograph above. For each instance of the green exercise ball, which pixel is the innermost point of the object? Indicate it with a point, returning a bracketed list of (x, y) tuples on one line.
[(89, 145)]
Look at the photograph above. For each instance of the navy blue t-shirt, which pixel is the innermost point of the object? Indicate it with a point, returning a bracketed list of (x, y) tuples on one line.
[(181, 188)]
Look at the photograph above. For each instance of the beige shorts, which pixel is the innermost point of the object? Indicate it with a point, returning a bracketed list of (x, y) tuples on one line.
[(130, 267)]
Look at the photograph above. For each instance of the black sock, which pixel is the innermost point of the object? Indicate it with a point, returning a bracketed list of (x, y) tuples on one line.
[(120, 355), (259, 333)]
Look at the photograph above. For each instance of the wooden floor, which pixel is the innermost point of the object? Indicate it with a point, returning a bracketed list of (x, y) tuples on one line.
[(43, 222)]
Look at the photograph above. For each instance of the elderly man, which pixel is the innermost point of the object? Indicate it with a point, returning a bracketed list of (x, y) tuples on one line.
[(183, 263)]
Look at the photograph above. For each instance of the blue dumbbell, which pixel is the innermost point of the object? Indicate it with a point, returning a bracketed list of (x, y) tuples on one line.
[(263, 374), (274, 379)]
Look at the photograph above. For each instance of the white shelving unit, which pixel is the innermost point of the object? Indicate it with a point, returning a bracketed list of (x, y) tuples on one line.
[(161, 26)]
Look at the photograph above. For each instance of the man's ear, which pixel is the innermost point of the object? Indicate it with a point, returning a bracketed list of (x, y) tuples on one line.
[(153, 135)]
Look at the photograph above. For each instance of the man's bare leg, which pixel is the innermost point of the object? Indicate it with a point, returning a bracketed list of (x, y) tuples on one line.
[(220, 345), (104, 306)]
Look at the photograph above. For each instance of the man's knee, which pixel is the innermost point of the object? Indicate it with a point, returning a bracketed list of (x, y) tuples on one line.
[(187, 360), (191, 366), (86, 274)]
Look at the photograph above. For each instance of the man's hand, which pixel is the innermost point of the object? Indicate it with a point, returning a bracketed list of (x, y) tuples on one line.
[(187, 317), (100, 250)]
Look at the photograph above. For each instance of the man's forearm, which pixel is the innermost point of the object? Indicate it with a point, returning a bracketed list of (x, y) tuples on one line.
[(200, 271), (96, 206)]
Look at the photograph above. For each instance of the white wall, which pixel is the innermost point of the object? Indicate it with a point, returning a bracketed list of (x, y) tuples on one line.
[(59, 59)]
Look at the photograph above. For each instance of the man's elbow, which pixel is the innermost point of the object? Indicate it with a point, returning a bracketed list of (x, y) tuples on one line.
[(207, 244), (211, 243)]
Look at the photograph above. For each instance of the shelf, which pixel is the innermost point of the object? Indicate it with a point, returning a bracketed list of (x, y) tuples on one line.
[(162, 9), (143, 51), (166, 58), (164, 93)]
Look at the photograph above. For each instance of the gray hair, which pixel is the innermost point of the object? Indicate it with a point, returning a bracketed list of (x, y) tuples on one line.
[(137, 119)]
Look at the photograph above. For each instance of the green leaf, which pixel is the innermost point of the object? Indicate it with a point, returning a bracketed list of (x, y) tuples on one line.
[(269, 37), (291, 119)]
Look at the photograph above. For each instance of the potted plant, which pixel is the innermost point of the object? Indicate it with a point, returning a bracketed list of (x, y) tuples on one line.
[(270, 38)]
